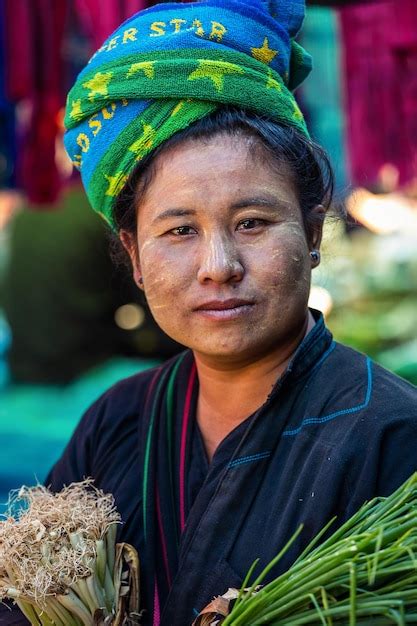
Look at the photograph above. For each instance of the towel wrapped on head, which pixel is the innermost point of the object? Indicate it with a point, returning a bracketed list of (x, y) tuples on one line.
[(170, 65)]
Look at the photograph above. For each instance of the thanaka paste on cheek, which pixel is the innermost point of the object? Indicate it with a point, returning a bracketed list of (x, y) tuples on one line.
[(155, 275)]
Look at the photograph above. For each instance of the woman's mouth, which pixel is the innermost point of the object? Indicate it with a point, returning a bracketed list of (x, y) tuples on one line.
[(225, 309)]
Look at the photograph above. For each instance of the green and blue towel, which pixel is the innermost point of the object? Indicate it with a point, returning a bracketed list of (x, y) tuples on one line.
[(170, 65)]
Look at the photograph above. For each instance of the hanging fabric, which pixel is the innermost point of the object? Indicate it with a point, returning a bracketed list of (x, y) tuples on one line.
[(99, 19), (39, 66), (380, 89), (34, 66), (7, 119)]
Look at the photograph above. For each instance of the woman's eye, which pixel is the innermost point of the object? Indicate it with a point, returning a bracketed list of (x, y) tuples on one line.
[(182, 230), (250, 224)]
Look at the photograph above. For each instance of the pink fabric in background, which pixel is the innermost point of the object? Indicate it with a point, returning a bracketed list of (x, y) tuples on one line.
[(380, 65), (99, 18), (36, 72), (19, 47), (34, 69)]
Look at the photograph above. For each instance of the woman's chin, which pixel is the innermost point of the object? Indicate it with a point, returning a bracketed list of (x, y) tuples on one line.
[(231, 350)]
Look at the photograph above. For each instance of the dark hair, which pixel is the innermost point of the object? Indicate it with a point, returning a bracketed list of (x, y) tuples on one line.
[(281, 144)]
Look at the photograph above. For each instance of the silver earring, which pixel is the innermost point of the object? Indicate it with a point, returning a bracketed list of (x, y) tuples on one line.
[(315, 256)]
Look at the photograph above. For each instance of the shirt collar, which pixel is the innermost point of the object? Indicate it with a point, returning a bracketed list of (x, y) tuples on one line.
[(313, 347)]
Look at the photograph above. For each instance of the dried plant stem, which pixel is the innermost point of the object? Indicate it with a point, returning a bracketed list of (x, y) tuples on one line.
[(96, 589), (80, 589), (65, 616), (53, 615), (111, 545), (43, 616), (28, 611), (71, 602), (109, 586), (101, 560)]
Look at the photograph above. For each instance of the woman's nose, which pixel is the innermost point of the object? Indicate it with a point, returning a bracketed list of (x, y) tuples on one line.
[(219, 261)]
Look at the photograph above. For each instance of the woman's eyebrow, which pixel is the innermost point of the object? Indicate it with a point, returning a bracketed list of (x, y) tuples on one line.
[(173, 213), (267, 202), (261, 201)]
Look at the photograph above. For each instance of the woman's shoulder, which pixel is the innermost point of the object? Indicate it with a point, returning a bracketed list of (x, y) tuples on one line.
[(128, 396), (364, 387), (108, 432), (364, 413), (356, 367)]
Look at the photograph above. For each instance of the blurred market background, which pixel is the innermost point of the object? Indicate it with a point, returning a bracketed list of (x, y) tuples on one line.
[(71, 323)]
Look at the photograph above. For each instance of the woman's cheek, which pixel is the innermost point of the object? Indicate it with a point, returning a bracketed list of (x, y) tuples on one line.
[(287, 258), (163, 276)]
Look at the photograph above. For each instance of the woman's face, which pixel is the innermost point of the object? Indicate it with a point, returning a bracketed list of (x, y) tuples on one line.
[(221, 250)]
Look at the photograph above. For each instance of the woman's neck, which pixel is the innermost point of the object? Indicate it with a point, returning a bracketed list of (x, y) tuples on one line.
[(227, 396)]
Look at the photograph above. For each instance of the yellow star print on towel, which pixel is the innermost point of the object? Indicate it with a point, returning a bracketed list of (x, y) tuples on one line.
[(76, 111), (215, 71), (297, 112), (272, 82), (147, 67), (116, 183), (265, 53), (142, 145), (98, 85)]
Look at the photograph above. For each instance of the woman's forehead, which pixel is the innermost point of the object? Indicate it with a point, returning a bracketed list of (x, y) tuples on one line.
[(222, 156), (222, 172)]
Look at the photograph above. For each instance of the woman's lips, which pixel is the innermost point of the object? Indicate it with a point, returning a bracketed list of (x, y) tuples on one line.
[(224, 309)]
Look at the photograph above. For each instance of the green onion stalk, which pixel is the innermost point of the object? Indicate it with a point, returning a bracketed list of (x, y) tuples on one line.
[(365, 573), (59, 561)]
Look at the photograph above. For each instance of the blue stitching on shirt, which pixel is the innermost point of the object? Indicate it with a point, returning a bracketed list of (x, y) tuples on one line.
[(250, 458), (328, 418), (324, 357)]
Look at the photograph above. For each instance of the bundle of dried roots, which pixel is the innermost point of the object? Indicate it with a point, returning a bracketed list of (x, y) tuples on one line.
[(59, 561)]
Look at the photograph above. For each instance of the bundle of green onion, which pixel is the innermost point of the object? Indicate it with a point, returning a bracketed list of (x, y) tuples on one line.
[(59, 561), (364, 574)]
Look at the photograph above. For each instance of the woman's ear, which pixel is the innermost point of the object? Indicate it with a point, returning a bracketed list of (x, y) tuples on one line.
[(129, 243), (316, 220)]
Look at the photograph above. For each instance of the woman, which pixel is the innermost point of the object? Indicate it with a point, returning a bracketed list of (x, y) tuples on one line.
[(264, 422)]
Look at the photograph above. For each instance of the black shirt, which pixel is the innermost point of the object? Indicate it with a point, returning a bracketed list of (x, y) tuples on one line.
[(336, 430)]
